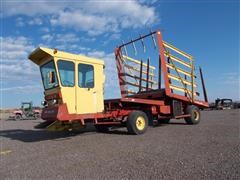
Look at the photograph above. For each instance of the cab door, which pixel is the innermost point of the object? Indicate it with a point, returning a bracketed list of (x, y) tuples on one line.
[(86, 97), (66, 71)]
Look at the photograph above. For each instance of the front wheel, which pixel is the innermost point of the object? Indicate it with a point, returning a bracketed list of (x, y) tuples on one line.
[(18, 117), (37, 116), (194, 113), (137, 122)]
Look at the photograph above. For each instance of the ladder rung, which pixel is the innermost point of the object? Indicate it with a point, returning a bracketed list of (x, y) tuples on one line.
[(177, 50), (138, 70), (137, 61), (179, 70), (178, 60), (179, 80), (143, 79), (181, 89)]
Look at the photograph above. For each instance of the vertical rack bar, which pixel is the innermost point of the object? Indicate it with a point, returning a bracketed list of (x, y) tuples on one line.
[(140, 77), (147, 74), (192, 77), (163, 62), (203, 85), (121, 72), (185, 85), (168, 71), (159, 73)]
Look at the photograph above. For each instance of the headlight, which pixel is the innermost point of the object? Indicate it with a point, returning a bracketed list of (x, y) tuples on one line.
[(54, 101), (44, 103)]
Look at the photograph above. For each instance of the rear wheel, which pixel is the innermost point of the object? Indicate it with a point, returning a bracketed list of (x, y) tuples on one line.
[(137, 122), (102, 128), (194, 113), (18, 117)]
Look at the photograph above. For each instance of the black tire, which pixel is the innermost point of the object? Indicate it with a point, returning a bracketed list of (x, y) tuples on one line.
[(102, 128), (137, 122), (194, 115), (18, 117), (37, 116), (164, 121)]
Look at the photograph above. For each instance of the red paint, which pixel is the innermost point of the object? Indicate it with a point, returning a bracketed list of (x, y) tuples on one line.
[(157, 101), (165, 109)]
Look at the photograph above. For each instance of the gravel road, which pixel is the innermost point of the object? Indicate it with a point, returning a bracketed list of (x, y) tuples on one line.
[(210, 150)]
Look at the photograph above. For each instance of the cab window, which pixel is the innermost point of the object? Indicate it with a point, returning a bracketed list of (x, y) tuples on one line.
[(85, 76), (49, 75), (66, 73)]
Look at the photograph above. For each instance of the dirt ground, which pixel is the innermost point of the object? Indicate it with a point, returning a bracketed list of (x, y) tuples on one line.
[(209, 150)]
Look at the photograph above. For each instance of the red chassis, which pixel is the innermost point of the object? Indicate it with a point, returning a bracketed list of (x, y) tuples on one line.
[(159, 103)]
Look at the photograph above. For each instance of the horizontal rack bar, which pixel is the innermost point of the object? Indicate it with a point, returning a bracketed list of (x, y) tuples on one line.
[(179, 70), (131, 91), (137, 39), (143, 79), (177, 50), (136, 85), (138, 70), (178, 88), (137, 61), (181, 79), (177, 59)]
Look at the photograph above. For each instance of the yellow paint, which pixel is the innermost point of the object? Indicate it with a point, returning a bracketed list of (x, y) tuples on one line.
[(179, 70), (5, 152), (179, 79), (178, 60), (136, 69), (137, 61), (140, 123), (66, 126), (192, 77), (181, 89), (177, 50), (78, 100)]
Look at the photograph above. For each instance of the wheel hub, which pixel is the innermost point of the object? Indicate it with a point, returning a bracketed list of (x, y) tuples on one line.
[(140, 123)]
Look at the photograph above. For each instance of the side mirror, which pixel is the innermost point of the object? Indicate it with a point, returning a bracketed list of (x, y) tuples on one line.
[(51, 77)]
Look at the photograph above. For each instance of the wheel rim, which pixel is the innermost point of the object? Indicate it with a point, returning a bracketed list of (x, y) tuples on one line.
[(140, 123), (196, 115)]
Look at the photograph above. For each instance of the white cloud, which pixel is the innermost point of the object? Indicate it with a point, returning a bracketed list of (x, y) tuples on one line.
[(67, 38), (23, 89), (15, 48), (112, 89), (30, 8), (47, 37), (20, 22), (92, 24), (15, 67), (93, 17), (36, 21)]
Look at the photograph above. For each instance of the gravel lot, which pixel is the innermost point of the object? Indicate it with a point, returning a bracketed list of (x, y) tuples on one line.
[(210, 150)]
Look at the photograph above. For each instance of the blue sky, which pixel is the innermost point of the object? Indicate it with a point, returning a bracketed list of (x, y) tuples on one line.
[(208, 30)]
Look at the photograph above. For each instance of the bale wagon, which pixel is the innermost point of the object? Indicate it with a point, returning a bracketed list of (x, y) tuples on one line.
[(157, 81)]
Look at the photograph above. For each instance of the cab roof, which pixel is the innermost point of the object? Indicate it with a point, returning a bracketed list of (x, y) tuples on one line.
[(41, 54)]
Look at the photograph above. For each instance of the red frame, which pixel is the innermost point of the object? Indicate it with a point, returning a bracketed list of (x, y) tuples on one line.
[(116, 110)]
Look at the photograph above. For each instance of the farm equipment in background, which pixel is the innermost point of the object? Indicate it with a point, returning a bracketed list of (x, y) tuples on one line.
[(158, 82), (26, 112), (221, 104)]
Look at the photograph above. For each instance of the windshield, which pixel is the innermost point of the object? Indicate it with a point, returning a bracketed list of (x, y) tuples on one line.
[(49, 75)]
